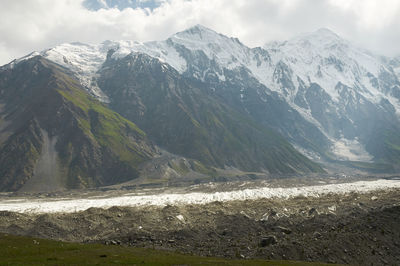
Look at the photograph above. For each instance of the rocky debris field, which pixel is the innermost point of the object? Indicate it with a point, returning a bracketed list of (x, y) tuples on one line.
[(358, 229)]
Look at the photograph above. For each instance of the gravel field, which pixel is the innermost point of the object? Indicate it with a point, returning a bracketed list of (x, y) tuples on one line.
[(336, 222)]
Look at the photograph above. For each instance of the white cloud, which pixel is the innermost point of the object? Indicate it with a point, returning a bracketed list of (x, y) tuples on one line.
[(371, 13), (27, 25)]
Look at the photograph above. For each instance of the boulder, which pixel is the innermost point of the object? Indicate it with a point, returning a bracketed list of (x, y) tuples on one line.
[(268, 240)]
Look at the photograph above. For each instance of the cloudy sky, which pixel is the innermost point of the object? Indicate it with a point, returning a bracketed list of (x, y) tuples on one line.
[(34, 25)]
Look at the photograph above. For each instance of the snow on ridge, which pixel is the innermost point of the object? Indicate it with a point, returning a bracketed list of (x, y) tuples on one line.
[(304, 54), (86, 60), (228, 52), (74, 205), (160, 50), (83, 59), (325, 58)]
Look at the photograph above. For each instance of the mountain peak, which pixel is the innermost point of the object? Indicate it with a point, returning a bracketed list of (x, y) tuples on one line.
[(326, 32), (322, 36), (197, 28), (318, 40), (197, 31)]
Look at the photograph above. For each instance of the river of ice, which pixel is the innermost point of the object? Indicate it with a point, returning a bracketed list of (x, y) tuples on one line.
[(51, 205)]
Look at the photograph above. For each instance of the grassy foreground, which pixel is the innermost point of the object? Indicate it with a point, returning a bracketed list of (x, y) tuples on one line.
[(18, 250)]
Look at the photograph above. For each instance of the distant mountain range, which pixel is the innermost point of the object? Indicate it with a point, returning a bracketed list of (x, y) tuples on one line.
[(80, 115)]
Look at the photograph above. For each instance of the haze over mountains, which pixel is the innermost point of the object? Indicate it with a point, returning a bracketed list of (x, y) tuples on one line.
[(285, 108)]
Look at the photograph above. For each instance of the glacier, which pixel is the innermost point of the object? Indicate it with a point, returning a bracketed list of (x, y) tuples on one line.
[(137, 199)]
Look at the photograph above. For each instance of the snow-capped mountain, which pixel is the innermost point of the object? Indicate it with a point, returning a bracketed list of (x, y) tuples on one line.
[(328, 97), (350, 86), (395, 64)]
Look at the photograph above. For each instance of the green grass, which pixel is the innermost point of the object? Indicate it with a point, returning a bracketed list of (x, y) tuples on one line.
[(180, 167), (18, 250), (108, 128), (82, 100), (201, 168)]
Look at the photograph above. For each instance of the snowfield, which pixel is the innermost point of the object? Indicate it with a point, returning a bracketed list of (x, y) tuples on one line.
[(52, 205)]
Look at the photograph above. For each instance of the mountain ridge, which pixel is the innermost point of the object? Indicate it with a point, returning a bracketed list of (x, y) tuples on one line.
[(55, 136), (332, 85), (180, 116)]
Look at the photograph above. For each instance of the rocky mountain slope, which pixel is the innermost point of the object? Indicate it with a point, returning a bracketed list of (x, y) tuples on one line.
[(54, 135), (201, 95), (182, 116), (351, 93), (332, 100)]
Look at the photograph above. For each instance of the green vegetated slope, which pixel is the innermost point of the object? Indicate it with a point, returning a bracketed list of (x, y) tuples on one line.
[(17, 250), (180, 117), (46, 116)]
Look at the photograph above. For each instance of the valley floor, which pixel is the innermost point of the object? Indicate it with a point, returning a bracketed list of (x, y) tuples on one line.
[(336, 222), (18, 250)]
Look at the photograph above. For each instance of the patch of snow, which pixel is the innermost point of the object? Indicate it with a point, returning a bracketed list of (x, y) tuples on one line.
[(160, 50), (352, 150), (308, 153), (84, 60), (14, 62), (396, 104)]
